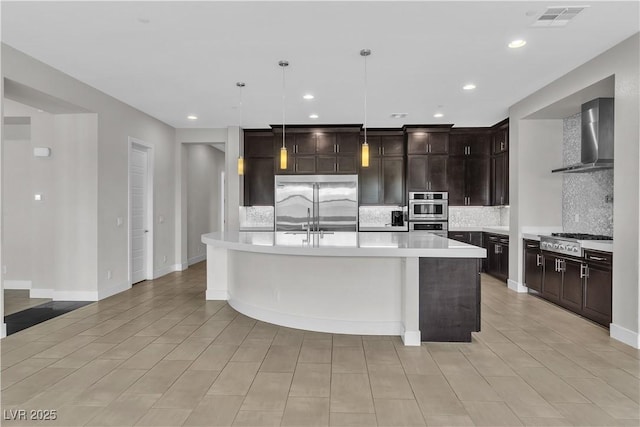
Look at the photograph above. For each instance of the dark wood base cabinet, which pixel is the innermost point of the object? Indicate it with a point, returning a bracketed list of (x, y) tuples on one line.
[(581, 285), (497, 264), (449, 299)]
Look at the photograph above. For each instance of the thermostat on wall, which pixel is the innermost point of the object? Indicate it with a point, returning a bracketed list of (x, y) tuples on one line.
[(41, 151)]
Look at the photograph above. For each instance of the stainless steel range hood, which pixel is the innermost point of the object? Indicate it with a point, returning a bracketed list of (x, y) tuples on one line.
[(597, 137)]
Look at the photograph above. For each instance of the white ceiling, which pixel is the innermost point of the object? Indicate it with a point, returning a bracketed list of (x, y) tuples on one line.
[(188, 56)]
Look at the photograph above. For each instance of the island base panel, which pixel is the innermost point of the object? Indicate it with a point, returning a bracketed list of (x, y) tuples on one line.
[(449, 299)]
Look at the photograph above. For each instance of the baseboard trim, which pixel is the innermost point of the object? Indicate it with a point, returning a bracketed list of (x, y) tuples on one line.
[(75, 295), (3, 331), (624, 335), (17, 284), (516, 286), (197, 259), (411, 338), (112, 290), (334, 326), (216, 295), (40, 293), (166, 270)]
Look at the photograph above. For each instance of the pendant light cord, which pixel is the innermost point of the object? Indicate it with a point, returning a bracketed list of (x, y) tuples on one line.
[(283, 103), (365, 99)]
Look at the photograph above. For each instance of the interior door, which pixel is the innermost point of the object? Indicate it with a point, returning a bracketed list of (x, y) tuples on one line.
[(139, 227)]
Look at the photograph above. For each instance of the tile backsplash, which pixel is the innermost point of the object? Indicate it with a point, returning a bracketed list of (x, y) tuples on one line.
[(478, 216), (585, 208), (252, 217), (377, 216)]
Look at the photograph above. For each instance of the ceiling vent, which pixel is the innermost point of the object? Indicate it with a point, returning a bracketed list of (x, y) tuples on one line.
[(558, 16)]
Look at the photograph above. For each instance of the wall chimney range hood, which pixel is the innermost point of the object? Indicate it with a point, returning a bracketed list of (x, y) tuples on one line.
[(597, 137)]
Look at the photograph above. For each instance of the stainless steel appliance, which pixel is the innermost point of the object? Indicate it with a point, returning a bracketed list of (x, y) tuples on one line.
[(428, 205), (441, 228), (596, 137), (567, 243), (316, 203)]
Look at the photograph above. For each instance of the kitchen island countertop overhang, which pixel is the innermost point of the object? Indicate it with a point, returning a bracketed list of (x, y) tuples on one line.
[(363, 283)]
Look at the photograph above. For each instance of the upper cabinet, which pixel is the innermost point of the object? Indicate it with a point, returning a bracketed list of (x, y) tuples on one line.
[(500, 137), (500, 164), (470, 142), (382, 182), (427, 140), (259, 168)]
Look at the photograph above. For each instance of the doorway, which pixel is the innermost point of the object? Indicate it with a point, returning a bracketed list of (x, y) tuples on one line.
[(140, 211)]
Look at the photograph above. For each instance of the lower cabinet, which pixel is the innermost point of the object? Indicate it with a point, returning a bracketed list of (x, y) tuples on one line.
[(497, 255), (582, 285), (533, 267), (471, 237)]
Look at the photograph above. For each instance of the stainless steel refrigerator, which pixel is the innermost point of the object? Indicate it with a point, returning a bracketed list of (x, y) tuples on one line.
[(316, 202)]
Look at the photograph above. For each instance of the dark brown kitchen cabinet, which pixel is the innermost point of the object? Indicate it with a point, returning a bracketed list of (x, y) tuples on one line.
[(259, 181), (428, 140), (500, 179), (427, 173), (326, 143), (382, 183), (467, 142), (304, 143), (470, 237), (500, 139), (562, 281), (337, 143), (327, 164), (259, 168), (497, 255), (468, 179), (597, 287), (533, 267)]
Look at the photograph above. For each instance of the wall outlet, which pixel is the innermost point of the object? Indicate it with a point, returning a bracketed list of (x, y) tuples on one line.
[(577, 218), (161, 219), (164, 259), (109, 275), (119, 221)]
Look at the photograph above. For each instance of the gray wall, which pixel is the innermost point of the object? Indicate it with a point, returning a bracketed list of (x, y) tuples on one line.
[(544, 198), (584, 205), (106, 171), (205, 164)]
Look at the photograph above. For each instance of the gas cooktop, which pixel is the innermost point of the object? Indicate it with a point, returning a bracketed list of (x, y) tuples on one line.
[(568, 243), (581, 236)]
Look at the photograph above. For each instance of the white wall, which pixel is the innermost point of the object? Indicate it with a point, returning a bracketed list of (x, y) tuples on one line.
[(204, 166), (185, 137), (116, 122), (622, 61)]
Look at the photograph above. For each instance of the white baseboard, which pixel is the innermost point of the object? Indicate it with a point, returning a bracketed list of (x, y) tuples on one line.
[(197, 259), (624, 335), (334, 326), (411, 338), (75, 295), (17, 284), (41, 293), (112, 290), (516, 286), (182, 267), (167, 269), (3, 331), (215, 295)]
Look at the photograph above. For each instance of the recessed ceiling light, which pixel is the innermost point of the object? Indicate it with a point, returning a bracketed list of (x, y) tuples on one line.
[(438, 115), (517, 43), (469, 86), (308, 96), (313, 116), (143, 20), (399, 115), (192, 117)]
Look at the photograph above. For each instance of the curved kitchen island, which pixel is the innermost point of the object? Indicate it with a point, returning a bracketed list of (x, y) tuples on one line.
[(417, 285)]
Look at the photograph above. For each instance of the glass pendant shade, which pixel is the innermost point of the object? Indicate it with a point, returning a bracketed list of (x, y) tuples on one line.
[(365, 155), (283, 158), (240, 165)]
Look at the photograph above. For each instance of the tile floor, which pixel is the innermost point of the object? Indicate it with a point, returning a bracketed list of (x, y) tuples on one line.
[(160, 355)]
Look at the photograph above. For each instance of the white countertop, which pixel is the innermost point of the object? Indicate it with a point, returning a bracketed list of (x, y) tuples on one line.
[(348, 244), (366, 227)]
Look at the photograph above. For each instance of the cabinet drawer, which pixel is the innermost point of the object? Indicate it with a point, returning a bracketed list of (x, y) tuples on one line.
[(531, 244), (603, 258)]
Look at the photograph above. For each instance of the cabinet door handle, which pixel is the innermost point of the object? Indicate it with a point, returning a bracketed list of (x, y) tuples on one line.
[(562, 266), (531, 246), (502, 200), (383, 151), (584, 271), (557, 268), (538, 260), (428, 148), (597, 258), (295, 148)]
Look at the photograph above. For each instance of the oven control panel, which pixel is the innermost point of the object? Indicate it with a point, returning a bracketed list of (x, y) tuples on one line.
[(566, 247)]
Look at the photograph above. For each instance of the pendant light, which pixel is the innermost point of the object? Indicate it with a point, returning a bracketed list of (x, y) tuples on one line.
[(240, 158), (365, 144), (283, 150)]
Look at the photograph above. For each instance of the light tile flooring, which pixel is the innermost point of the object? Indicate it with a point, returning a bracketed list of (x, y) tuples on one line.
[(160, 355), (18, 299)]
